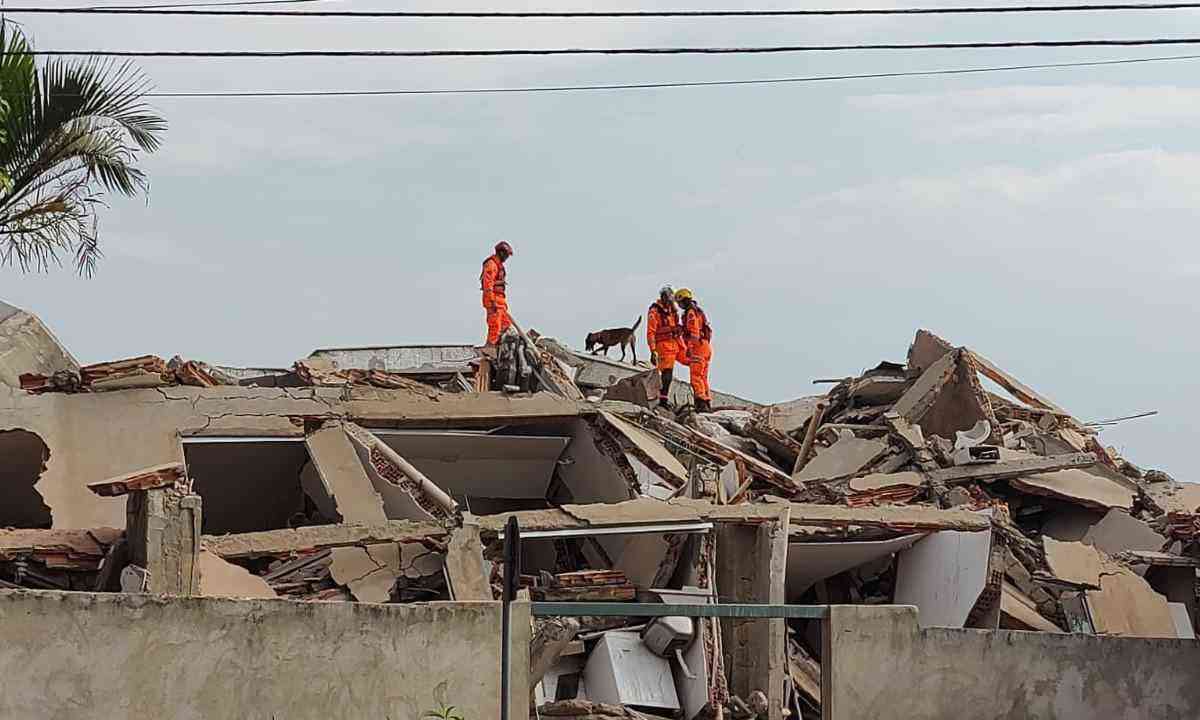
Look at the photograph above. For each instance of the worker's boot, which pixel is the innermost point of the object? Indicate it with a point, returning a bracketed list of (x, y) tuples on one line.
[(703, 406)]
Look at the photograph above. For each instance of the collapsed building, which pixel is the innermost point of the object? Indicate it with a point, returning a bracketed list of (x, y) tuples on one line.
[(969, 542)]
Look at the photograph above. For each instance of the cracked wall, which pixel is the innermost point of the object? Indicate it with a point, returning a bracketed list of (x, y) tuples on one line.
[(187, 658), (94, 436), (877, 662), (24, 459)]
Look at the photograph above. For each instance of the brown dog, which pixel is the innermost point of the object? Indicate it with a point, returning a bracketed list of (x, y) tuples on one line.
[(605, 339)]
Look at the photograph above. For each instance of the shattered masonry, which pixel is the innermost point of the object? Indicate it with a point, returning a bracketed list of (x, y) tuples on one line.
[(382, 475)]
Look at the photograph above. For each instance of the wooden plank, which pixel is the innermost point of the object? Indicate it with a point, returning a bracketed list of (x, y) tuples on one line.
[(286, 542), (1015, 387), (1010, 469), (150, 478)]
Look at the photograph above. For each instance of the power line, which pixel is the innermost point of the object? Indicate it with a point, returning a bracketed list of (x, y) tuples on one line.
[(590, 14), (658, 85), (168, 10), (192, 5), (756, 50), (645, 86)]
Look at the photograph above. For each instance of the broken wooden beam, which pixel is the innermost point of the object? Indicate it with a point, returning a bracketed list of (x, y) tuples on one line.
[(810, 436), (1010, 469), (159, 476), (318, 537)]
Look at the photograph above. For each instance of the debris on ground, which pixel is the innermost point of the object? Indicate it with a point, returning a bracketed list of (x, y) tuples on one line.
[(387, 474)]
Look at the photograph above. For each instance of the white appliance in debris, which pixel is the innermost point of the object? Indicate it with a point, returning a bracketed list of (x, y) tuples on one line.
[(623, 671), (668, 637)]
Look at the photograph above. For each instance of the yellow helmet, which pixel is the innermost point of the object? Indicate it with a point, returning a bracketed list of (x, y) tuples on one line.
[(683, 294)]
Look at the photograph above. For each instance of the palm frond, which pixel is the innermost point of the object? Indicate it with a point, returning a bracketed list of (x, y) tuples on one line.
[(71, 132)]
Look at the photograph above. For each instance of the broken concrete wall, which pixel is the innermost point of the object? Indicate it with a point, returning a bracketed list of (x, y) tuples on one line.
[(142, 428), (24, 457), (878, 663), (28, 346), (99, 656)]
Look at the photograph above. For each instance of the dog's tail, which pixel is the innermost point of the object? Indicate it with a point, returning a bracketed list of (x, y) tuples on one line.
[(637, 324)]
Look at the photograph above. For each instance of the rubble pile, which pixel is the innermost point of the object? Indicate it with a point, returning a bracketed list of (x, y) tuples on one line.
[(940, 482)]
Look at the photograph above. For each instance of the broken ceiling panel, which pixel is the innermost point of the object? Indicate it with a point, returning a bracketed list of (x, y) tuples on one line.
[(650, 448), (1077, 486), (1020, 613), (474, 465), (1073, 562), (1127, 606), (343, 476), (809, 563), (1175, 497), (944, 575), (407, 493), (880, 481), (370, 572), (219, 578), (1119, 531), (845, 458)]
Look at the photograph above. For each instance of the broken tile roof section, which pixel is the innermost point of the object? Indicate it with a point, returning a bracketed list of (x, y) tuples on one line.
[(80, 549), (158, 476)]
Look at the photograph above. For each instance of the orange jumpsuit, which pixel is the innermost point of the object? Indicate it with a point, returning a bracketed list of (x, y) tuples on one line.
[(495, 302), (664, 337), (697, 338)]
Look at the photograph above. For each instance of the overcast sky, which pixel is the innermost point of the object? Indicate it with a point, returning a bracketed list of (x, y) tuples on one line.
[(1045, 218)]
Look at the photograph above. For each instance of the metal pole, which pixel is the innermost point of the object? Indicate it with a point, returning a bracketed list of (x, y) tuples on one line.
[(512, 578)]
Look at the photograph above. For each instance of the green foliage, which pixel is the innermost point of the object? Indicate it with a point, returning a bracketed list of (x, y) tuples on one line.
[(444, 712), (72, 132)]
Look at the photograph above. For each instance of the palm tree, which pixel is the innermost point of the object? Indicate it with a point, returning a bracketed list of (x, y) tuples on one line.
[(72, 132)]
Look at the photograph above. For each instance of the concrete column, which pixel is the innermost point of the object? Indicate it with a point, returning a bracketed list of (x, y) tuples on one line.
[(162, 527), (751, 568)]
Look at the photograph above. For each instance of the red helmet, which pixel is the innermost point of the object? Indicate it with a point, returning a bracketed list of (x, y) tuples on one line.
[(503, 246)]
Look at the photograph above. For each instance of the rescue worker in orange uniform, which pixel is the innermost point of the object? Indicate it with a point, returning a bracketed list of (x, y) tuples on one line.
[(494, 286), (664, 336), (697, 342)]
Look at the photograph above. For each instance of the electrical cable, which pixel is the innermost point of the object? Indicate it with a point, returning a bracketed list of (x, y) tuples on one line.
[(174, 6), (698, 50), (659, 85), (595, 14)]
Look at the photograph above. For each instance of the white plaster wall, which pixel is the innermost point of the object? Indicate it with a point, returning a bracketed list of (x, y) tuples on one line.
[(87, 656), (884, 666)]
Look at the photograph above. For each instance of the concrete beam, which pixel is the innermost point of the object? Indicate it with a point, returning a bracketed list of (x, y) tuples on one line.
[(318, 537)]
